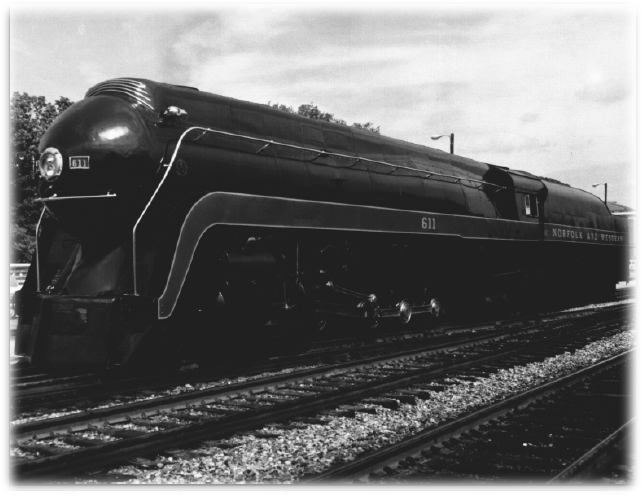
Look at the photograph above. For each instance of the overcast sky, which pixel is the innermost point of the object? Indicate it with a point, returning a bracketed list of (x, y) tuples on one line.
[(547, 90)]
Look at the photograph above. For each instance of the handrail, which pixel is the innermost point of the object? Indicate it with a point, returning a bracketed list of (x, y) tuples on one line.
[(169, 167), (325, 153), (42, 214), (357, 159), (56, 198)]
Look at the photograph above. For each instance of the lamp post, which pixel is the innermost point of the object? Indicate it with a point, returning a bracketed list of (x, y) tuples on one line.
[(605, 188), (452, 140)]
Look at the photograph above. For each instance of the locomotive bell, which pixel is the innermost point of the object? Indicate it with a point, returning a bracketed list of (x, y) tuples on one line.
[(174, 113)]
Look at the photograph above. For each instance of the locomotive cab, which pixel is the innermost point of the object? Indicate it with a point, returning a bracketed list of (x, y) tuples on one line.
[(530, 196)]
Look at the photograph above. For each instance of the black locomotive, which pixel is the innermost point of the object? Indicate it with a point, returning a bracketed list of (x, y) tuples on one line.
[(181, 223)]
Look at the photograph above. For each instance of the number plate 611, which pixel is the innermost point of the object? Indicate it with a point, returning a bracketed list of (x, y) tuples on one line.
[(79, 162), (428, 223)]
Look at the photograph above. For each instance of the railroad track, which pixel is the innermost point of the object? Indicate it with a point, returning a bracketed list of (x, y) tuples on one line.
[(76, 443), (563, 431), (36, 394), (33, 390)]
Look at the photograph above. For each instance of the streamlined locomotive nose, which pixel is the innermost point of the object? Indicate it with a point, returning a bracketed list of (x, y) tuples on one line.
[(105, 146), (98, 167)]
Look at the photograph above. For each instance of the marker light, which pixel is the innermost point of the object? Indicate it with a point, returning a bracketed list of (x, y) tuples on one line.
[(50, 164)]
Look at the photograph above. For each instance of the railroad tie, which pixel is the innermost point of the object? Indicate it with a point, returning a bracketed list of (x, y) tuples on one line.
[(373, 376), (180, 453), (422, 394), (313, 389), (120, 433), (284, 427), (83, 442), (141, 462), (293, 393), (217, 444), (362, 409), (260, 435), (408, 399), (44, 450), (160, 425), (188, 416), (338, 384), (274, 400), (433, 387), (385, 403), (338, 413), (213, 410), (234, 404), (312, 421)]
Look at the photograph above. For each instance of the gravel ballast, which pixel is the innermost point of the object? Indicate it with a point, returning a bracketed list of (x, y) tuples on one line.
[(314, 448)]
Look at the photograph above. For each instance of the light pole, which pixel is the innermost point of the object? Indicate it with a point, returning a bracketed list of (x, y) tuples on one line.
[(452, 140), (605, 188)]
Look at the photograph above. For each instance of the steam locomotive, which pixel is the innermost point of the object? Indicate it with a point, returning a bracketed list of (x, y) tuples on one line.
[(178, 223)]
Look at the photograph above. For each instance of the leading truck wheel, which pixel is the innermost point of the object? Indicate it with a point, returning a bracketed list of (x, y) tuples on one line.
[(405, 311), (437, 308)]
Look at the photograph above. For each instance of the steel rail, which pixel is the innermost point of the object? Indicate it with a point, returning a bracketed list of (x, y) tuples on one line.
[(40, 390), (149, 407), (596, 457), (30, 396), (405, 350), (432, 435)]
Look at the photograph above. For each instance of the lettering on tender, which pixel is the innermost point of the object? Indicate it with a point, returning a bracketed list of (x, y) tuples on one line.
[(590, 236)]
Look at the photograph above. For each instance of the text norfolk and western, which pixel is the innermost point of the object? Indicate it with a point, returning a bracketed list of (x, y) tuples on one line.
[(588, 235)]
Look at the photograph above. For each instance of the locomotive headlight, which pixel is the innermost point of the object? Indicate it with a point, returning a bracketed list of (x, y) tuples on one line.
[(50, 164)]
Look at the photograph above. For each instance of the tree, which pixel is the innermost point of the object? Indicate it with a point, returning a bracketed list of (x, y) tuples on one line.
[(30, 116), (368, 126), (311, 111), (280, 106)]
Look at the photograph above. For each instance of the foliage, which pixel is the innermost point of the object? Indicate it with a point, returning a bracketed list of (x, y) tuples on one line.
[(280, 106), (311, 111), (368, 126), (30, 116)]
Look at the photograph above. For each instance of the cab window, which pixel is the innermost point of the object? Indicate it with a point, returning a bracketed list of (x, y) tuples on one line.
[(530, 205)]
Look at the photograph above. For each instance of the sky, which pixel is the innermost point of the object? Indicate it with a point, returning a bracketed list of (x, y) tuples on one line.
[(550, 90)]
